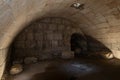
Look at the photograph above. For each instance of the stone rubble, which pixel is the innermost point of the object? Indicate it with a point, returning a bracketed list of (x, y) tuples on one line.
[(16, 69)]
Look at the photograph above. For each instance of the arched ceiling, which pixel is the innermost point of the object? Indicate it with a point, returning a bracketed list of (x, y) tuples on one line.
[(99, 18)]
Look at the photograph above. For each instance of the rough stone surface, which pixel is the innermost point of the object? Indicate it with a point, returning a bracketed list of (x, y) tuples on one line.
[(100, 19), (105, 55), (109, 56), (46, 39), (29, 60), (67, 54), (18, 61), (16, 69)]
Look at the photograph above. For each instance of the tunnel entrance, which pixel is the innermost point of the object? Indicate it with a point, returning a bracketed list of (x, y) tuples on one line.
[(78, 44)]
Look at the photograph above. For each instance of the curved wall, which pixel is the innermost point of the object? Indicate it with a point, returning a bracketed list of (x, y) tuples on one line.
[(47, 38), (99, 19)]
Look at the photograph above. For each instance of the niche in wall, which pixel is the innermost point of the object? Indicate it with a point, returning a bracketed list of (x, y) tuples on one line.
[(78, 44)]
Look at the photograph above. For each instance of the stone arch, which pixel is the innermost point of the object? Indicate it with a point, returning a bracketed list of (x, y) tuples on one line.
[(44, 38), (99, 19)]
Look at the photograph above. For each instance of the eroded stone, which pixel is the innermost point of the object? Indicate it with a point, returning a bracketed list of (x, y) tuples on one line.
[(16, 69)]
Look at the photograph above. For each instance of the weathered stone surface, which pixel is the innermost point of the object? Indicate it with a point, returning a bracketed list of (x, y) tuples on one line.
[(96, 12), (16, 69), (29, 60), (108, 55), (67, 54), (44, 35), (18, 61)]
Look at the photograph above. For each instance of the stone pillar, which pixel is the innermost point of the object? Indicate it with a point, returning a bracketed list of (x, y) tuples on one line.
[(3, 56)]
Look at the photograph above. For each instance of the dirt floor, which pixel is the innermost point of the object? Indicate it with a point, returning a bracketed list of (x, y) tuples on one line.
[(75, 69)]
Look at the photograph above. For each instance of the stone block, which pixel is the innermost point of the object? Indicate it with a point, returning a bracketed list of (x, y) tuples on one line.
[(61, 27), (16, 69), (39, 43), (44, 20), (29, 36), (116, 53), (19, 44), (22, 37), (45, 56), (30, 44), (29, 60), (18, 61), (108, 55), (52, 27), (57, 36), (50, 36), (67, 54), (38, 36), (54, 43)]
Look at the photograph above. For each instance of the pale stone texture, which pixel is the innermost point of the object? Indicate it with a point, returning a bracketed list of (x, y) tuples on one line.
[(16, 69)]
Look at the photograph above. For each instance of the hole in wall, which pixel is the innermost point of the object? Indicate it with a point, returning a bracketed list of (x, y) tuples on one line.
[(78, 44)]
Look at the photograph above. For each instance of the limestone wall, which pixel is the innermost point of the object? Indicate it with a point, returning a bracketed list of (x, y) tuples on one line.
[(45, 39), (100, 19), (3, 59)]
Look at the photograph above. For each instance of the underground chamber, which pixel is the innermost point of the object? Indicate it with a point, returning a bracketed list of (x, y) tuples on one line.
[(56, 49)]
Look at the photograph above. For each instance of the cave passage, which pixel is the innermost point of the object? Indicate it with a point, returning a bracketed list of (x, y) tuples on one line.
[(78, 44)]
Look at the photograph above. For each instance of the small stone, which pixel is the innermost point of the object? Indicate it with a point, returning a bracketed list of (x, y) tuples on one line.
[(29, 60), (108, 56), (16, 69), (67, 54)]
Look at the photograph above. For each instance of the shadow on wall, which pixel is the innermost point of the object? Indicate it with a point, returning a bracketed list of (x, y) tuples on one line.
[(78, 44), (95, 47), (87, 45)]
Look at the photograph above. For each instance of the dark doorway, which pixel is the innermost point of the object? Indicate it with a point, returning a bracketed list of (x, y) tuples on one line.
[(78, 44)]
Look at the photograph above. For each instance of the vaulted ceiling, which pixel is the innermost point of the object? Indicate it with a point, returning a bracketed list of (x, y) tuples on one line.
[(99, 18)]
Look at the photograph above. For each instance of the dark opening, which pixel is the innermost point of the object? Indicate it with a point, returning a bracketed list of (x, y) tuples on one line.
[(78, 44)]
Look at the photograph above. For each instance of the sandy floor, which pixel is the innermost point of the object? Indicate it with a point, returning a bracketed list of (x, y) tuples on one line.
[(82, 69)]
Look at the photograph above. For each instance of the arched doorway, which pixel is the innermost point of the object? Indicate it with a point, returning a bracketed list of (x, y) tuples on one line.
[(78, 44)]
